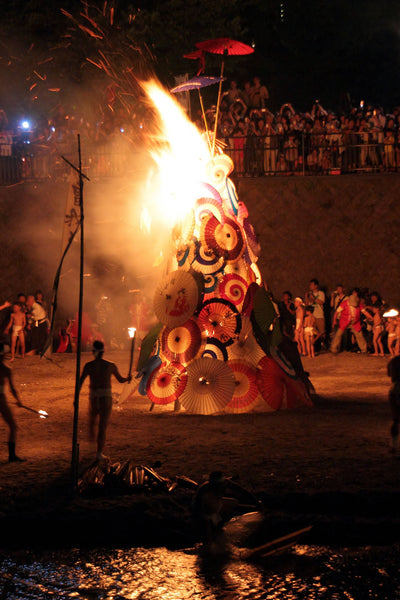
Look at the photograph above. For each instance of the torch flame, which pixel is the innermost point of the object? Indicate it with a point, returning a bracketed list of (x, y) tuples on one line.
[(131, 332)]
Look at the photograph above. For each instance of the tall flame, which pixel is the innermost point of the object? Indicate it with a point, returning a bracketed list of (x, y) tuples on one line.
[(181, 153)]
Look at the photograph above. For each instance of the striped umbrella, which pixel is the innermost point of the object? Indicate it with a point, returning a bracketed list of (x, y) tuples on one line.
[(278, 389), (220, 319), (166, 383), (210, 386), (181, 343), (233, 288), (224, 238), (215, 349), (207, 261)]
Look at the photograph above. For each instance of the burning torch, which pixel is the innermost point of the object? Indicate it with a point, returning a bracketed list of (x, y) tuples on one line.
[(42, 413), (131, 332)]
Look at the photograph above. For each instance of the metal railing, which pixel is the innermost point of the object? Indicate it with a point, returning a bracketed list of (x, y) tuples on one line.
[(253, 156)]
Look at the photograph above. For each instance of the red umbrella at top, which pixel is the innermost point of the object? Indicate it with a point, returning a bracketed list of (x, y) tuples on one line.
[(228, 47)]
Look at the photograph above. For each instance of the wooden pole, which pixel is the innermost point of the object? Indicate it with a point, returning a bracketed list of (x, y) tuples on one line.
[(75, 445)]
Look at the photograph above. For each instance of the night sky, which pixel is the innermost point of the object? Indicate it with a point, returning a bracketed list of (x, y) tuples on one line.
[(308, 50)]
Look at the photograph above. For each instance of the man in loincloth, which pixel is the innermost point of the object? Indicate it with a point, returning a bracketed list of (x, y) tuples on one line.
[(5, 411), (99, 372)]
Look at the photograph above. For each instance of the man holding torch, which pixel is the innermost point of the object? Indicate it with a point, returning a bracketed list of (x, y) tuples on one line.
[(100, 372), (5, 411)]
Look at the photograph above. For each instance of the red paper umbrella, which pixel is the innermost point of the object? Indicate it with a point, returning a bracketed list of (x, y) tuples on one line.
[(225, 238), (220, 319), (277, 389), (210, 386), (225, 46), (246, 390), (176, 298), (167, 383), (233, 288), (240, 268), (215, 349), (181, 343), (208, 206), (207, 261)]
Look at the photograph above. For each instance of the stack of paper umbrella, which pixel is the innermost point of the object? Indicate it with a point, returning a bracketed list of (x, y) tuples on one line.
[(218, 346)]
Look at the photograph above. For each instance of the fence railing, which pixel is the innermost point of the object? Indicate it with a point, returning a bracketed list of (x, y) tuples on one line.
[(253, 156)]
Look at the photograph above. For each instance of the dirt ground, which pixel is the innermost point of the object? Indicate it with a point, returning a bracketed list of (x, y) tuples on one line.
[(330, 459)]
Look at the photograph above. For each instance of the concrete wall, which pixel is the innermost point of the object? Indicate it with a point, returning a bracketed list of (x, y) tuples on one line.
[(343, 229)]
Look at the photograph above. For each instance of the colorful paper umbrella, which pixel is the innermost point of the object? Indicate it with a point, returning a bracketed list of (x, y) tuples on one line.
[(208, 206), (195, 83), (181, 343), (224, 238), (206, 190), (215, 349), (277, 389), (185, 256), (246, 390), (225, 46), (207, 261), (240, 268), (147, 345), (219, 168), (246, 348), (166, 383), (233, 288), (176, 298), (220, 319), (211, 283), (210, 386)]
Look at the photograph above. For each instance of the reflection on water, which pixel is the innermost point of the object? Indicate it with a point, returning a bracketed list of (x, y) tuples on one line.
[(307, 572)]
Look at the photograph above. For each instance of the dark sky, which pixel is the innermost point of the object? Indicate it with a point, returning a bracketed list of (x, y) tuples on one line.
[(303, 50)]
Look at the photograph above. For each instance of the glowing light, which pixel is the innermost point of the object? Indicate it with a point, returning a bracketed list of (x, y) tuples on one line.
[(131, 332), (181, 154), (43, 414), (25, 125), (391, 313)]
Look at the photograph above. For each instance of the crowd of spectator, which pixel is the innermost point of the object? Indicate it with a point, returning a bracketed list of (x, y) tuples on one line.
[(260, 141), (357, 321)]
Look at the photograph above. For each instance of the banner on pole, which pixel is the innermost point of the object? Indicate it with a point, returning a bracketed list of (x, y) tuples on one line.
[(72, 215)]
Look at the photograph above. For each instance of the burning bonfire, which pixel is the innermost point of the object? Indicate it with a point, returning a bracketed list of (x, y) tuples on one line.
[(218, 345)]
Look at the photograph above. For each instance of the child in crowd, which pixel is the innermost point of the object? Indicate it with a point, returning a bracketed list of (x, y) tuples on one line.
[(17, 325), (391, 328), (393, 371), (377, 328), (299, 330), (309, 331)]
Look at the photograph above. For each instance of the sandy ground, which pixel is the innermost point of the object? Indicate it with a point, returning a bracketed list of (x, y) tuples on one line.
[(332, 458)]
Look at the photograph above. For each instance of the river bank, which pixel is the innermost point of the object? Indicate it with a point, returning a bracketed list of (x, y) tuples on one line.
[(328, 466)]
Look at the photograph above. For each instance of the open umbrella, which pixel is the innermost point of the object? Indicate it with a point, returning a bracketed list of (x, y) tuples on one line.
[(225, 238), (147, 345), (176, 298), (210, 386), (207, 261), (246, 348), (226, 47), (166, 383), (151, 365), (246, 390), (208, 206), (196, 83), (233, 288), (185, 256), (181, 343), (215, 349), (277, 388), (220, 319)]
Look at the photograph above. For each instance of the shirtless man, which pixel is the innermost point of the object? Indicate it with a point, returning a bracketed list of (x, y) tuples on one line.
[(17, 325), (99, 372), (5, 411)]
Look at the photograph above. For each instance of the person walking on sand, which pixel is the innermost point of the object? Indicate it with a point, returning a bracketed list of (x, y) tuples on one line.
[(5, 411), (100, 372), (393, 371), (17, 325)]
